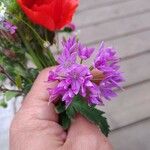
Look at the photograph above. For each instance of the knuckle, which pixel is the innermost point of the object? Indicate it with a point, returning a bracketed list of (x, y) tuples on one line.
[(44, 71)]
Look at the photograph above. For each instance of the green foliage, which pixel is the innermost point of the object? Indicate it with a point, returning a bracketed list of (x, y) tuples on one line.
[(13, 7), (16, 50), (64, 120), (2, 79), (60, 107), (92, 114), (79, 105), (9, 95), (18, 81), (3, 104), (71, 112)]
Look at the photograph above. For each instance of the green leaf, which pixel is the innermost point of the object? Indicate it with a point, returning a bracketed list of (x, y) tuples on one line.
[(18, 81), (92, 114), (9, 95), (2, 79), (18, 70), (3, 104), (64, 120), (60, 107), (71, 112)]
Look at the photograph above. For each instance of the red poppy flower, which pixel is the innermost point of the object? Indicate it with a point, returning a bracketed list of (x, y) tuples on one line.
[(52, 14)]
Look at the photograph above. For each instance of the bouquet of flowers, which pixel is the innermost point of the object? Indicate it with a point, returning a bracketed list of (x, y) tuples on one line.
[(28, 43)]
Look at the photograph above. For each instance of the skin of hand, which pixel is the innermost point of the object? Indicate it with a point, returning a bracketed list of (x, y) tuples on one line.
[(35, 126)]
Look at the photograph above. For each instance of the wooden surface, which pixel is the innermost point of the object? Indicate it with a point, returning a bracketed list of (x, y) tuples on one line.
[(125, 25), (133, 137)]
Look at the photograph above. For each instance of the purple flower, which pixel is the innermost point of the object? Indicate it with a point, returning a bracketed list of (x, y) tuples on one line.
[(68, 97), (9, 27), (78, 77), (94, 96), (84, 52), (71, 44), (75, 81), (106, 60), (110, 83), (66, 61), (75, 78), (105, 89), (53, 76)]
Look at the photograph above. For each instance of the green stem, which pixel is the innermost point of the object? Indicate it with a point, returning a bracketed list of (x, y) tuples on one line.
[(57, 41), (46, 36), (51, 58), (31, 52), (41, 41), (5, 90), (81, 61), (3, 71), (33, 30)]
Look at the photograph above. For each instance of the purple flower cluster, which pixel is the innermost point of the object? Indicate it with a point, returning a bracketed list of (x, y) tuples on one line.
[(75, 78), (9, 27), (107, 62)]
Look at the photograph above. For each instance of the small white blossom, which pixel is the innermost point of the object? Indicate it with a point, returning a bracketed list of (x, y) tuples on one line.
[(46, 44)]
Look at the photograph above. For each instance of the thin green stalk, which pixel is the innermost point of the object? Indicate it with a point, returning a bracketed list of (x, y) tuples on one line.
[(3, 71), (81, 61), (46, 35), (5, 90), (33, 30), (53, 61), (31, 52), (41, 41)]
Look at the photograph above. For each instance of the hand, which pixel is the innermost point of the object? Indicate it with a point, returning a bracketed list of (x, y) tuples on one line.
[(35, 126)]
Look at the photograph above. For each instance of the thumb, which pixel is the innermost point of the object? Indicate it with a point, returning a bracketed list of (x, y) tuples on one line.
[(85, 135), (81, 126), (38, 97), (35, 124)]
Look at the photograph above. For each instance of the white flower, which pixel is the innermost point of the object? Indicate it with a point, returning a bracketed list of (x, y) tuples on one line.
[(46, 44), (2, 11)]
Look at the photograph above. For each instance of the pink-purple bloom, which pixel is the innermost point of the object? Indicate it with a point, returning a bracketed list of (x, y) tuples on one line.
[(71, 44), (84, 52), (66, 60), (9, 27), (107, 62), (75, 78), (106, 59)]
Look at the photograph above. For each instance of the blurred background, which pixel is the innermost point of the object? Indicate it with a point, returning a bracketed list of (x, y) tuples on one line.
[(125, 25)]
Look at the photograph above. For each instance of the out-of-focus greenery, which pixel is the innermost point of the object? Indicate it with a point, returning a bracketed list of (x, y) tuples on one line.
[(16, 50), (27, 44)]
